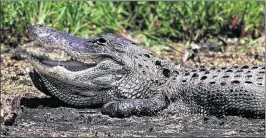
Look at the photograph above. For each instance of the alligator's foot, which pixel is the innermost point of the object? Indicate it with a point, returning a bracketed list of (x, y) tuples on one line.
[(127, 107)]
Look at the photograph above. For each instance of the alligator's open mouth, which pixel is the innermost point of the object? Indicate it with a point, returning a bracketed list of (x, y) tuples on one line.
[(71, 64)]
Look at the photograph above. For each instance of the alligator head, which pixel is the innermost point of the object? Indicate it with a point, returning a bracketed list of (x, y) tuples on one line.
[(115, 62)]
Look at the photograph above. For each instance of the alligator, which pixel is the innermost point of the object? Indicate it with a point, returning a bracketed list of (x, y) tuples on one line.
[(125, 79)]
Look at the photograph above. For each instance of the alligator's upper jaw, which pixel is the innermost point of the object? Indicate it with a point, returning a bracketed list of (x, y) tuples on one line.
[(74, 46)]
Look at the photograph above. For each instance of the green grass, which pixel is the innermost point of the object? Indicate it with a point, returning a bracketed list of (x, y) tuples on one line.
[(168, 20)]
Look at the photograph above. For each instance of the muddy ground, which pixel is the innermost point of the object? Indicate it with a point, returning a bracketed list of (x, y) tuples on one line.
[(46, 117)]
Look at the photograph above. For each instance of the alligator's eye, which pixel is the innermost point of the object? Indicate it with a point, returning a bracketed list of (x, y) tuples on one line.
[(101, 40), (41, 25)]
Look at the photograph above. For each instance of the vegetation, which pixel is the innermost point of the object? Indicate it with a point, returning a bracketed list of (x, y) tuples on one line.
[(146, 20)]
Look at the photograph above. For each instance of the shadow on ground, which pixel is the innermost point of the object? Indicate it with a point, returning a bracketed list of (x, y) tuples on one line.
[(47, 117)]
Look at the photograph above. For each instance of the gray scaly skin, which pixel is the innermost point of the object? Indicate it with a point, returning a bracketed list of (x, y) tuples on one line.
[(128, 80)]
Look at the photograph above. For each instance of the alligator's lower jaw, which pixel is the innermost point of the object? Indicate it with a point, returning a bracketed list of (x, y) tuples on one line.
[(71, 65)]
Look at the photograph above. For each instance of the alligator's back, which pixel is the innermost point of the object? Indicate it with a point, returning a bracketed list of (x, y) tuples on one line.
[(225, 91)]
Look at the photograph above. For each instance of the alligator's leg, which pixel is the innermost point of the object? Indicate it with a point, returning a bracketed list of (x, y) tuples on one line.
[(127, 107)]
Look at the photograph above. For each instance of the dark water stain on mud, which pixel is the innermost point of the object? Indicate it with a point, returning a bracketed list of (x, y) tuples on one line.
[(44, 117)]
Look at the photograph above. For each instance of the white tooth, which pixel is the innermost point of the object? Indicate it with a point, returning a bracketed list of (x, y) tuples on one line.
[(62, 54), (46, 55)]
